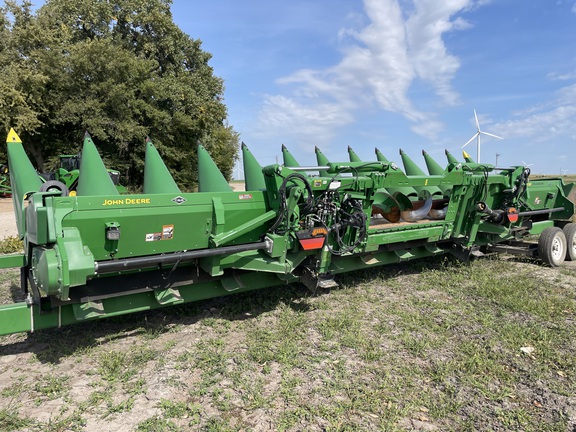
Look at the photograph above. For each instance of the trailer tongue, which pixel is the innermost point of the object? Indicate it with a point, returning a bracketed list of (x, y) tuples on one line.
[(101, 254)]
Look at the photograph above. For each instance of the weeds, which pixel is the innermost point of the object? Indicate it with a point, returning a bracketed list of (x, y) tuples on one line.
[(11, 245), (52, 386), (11, 421), (488, 345), (156, 424)]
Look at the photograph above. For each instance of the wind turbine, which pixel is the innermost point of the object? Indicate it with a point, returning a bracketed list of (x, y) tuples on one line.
[(526, 165), (477, 136), (239, 172)]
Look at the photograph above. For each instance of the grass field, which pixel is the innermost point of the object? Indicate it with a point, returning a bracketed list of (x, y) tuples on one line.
[(567, 178), (431, 345)]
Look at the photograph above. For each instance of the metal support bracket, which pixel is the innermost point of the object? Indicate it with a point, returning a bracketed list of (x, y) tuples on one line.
[(168, 296), (314, 281), (92, 309)]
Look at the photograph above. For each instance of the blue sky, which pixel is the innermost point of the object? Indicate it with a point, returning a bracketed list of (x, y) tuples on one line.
[(396, 74)]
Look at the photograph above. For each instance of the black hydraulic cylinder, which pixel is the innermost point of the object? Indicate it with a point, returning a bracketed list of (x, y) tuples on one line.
[(114, 266)]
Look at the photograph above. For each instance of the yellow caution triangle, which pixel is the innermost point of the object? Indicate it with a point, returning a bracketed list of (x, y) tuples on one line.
[(13, 137)]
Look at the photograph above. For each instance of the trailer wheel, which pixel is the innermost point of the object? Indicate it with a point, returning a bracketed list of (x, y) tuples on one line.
[(570, 233), (54, 186), (552, 246)]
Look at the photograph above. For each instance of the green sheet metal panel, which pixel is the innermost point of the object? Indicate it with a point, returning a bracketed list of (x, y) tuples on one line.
[(153, 224)]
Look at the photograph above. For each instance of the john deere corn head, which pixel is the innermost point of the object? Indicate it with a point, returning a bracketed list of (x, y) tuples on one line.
[(100, 254)]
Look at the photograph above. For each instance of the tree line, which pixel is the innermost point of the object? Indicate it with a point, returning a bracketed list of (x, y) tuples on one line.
[(121, 70)]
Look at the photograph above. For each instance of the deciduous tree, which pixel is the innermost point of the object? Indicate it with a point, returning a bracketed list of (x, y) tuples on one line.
[(120, 69)]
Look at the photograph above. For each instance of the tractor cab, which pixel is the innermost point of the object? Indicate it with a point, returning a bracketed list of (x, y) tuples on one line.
[(70, 162)]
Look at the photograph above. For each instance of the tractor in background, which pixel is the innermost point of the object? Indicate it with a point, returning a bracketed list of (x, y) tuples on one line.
[(65, 178)]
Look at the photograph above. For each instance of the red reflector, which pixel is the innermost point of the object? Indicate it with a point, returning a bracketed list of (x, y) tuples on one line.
[(312, 243), (512, 214)]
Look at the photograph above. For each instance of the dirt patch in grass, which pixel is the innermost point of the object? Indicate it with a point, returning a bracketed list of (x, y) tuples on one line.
[(7, 219), (432, 345)]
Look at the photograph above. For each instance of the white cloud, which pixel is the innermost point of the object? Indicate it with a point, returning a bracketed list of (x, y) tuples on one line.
[(380, 61), (429, 56), (476, 4), (544, 122), (555, 76), (428, 128), (573, 8), (285, 114)]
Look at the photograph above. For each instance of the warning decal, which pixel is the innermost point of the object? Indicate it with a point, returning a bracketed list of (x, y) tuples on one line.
[(166, 234), (153, 237)]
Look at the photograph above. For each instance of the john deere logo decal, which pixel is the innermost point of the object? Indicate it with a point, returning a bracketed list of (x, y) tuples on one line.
[(179, 200)]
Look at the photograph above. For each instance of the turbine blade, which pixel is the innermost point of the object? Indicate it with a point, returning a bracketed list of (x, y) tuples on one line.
[(471, 139), (477, 122), (492, 135)]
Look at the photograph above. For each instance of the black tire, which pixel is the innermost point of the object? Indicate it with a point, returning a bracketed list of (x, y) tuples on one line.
[(552, 246), (570, 233), (53, 186)]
